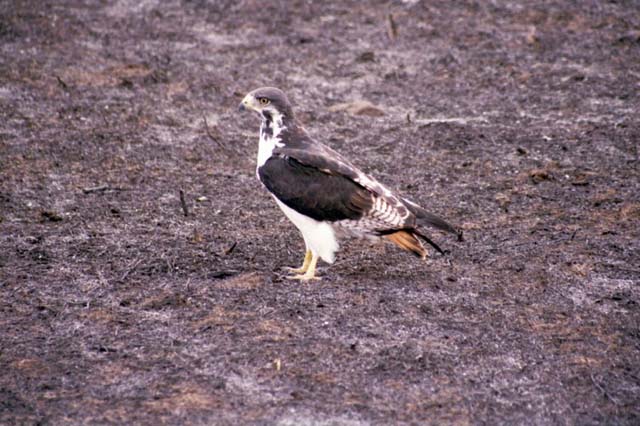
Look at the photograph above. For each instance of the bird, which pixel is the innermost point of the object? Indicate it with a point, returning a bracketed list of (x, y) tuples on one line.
[(325, 196)]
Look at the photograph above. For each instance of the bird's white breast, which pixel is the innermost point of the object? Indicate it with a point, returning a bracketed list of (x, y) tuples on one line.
[(265, 148), (319, 237)]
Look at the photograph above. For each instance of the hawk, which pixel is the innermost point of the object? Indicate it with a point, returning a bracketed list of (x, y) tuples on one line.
[(324, 194)]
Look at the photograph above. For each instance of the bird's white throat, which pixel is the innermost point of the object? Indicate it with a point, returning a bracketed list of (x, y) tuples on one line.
[(269, 138)]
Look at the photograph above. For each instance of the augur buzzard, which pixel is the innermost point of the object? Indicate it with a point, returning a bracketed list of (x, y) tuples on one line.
[(323, 194)]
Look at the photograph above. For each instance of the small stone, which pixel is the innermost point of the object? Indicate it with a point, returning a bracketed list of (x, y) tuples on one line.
[(503, 201), (51, 216), (539, 175), (368, 56), (358, 108)]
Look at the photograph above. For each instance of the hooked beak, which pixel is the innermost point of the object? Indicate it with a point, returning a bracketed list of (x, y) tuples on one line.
[(247, 103)]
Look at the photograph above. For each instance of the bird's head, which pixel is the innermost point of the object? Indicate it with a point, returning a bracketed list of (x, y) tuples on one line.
[(269, 102)]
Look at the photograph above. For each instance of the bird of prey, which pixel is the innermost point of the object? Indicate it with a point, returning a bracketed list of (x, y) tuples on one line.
[(325, 195)]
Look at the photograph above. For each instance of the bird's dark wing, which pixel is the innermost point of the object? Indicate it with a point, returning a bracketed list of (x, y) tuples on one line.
[(314, 178), (315, 190), (387, 210)]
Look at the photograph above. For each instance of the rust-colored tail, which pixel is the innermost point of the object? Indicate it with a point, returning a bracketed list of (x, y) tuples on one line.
[(407, 241)]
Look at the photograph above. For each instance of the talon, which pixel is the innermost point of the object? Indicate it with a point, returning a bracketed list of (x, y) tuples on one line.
[(310, 272), (303, 277), (305, 265)]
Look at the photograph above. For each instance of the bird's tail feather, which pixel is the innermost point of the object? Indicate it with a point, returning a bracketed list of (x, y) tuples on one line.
[(407, 241), (424, 218), (428, 240)]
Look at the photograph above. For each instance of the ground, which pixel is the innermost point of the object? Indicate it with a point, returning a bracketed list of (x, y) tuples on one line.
[(517, 121)]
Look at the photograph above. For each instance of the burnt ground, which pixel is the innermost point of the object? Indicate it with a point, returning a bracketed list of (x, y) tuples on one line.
[(519, 123)]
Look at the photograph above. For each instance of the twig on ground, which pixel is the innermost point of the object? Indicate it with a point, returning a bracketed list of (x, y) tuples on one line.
[(183, 203), (392, 27), (604, 391), (208, 130), (133, 266), (230, 249), (62, 83), (100, 188)]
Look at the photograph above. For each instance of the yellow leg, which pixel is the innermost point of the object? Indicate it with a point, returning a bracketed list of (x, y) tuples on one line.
[(305, 264), (310, 273)]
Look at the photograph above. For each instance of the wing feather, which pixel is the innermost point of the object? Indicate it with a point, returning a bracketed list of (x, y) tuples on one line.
[(387, 210), (314, 192)]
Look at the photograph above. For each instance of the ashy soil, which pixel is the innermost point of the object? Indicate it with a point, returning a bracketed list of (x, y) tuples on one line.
[(517, 121)]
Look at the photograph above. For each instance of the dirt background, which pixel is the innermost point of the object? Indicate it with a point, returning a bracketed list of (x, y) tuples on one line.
[(518, 122)]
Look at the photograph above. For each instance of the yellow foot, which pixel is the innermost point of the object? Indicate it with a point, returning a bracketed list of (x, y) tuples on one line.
[(309, 271), (305, 265)]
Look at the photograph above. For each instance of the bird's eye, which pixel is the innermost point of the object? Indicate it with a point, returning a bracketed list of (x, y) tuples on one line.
[(264, 101)]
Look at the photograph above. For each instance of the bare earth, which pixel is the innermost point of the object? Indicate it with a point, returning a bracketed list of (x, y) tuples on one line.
[(518, 122)]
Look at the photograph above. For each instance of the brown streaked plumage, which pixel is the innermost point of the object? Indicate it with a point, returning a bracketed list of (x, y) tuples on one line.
[(407, 241)]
